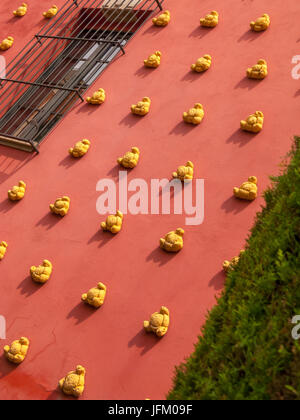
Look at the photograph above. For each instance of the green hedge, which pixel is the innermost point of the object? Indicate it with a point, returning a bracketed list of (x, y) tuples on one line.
[(246, 350)]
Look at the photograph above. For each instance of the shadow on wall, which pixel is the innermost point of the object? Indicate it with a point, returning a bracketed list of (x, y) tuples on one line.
[(241, 137), (144, 341), (28, 287), (235, 205), (247, 83), (182, 129), (11, 161), (5, 367), (200, 32), (218, 280), (250, 35), (161, 257)]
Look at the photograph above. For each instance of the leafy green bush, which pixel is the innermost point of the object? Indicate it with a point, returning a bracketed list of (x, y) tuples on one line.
[(246, 350)]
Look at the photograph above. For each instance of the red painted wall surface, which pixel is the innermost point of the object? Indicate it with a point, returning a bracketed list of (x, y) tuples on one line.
[(123, 362)]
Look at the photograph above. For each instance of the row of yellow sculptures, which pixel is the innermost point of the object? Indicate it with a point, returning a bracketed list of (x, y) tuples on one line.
[(22, 10), (71, 384), (257, 71), (74, 382), (211, 20)]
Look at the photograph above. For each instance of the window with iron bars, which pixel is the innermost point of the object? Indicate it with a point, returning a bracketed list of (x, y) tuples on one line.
[(60, 64)]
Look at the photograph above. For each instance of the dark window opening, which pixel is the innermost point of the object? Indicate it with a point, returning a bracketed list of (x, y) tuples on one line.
[(62, 62)]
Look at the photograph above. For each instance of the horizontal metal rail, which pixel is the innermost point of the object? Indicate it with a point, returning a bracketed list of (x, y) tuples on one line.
[(69, 38), (42, 85)]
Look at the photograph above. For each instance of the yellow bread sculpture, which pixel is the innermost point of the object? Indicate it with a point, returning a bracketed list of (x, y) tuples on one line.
[(113, 223), (73, 383), (194, 115), (80, 148), (142, 107), (173, 241), (17, 352), (95, 296), (97, 98), (130, 159), (184, 172), (21, 11), (210, 20), (248, 190), (261, 24), (254, 123), (61, 206), (17, 192), (153, 60), (3, 248), (163, 19), (230, 265), (258, 71), (6, 43), (202, 64), (51, 12), (42, 273), (159, 322)]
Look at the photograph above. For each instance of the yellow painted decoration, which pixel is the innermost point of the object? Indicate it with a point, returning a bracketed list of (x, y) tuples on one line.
[(7, 43), (230, 265), (21, 11), (3, 248), (113, 223), (17, 192), (173, 241), (194, 115), (80, 148), (248, 190), (130, 159), (97, 98), (153, 60), (184, 172), (163, 19), (73, 383), (17, 352), (254, 123), (61, 206), (159, 322), (210, 20), (258, 71), (42, 273), (95, 296), (202, 64), (261, 24), (142, 107), (51, 12)]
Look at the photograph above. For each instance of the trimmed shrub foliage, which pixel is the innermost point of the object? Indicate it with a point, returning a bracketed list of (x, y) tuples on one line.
[(246, 350)]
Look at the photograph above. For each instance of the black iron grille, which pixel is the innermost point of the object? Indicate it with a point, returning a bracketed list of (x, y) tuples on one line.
[(44, 81)]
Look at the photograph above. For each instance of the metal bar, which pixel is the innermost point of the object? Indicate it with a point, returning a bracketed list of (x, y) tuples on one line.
[(43, 85), (123, 50), (87, 68), (21, 139), (89, 21), (36, 63), (159, 4), (78, 39)]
